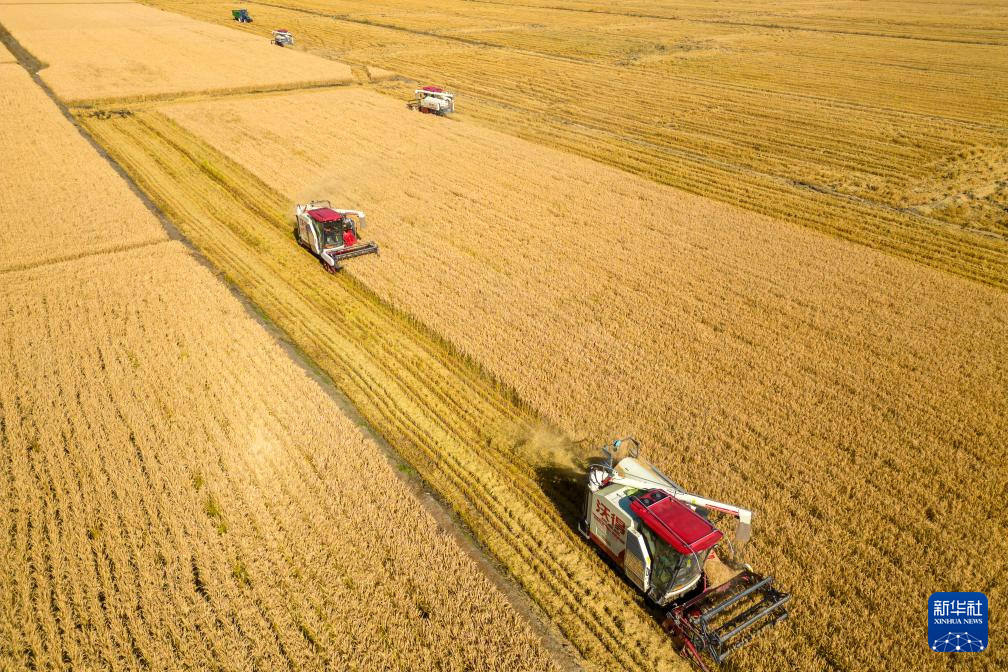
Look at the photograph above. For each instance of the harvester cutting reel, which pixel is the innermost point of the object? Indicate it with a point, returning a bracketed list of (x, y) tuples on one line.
[(663, 539), (721, 620)]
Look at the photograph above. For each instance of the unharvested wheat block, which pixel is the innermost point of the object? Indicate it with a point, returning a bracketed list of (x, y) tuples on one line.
[(127, 50), (59, 198)]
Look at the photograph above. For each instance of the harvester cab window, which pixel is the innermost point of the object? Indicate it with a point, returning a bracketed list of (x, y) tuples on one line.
[(332, 233), (670, 569)]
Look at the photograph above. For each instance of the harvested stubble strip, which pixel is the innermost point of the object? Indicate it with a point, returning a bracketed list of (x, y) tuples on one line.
[(6, 56), (59, 199), (130, 51), (178, 492), (765, 364)]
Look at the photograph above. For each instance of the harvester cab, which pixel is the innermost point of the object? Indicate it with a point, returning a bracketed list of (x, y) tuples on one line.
[(241, 15), (433, 100), (283, 38), (331, 235), (662, 538)]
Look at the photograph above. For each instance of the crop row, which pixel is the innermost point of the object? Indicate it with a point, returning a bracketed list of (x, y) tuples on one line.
[(44, 174)]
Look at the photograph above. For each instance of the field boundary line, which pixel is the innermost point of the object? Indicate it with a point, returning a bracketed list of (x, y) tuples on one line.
[(444, 515), (185, 96), (426, 33), (101, 252)]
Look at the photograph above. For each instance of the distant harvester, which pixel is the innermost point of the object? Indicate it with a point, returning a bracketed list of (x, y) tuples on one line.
[(282, 37), (433, 100)]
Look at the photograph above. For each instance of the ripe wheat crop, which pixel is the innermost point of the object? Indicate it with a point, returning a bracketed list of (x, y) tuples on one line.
[(59, 198), (812, 379), (126, 50), (5, 55), (178, 493), (885, 125)]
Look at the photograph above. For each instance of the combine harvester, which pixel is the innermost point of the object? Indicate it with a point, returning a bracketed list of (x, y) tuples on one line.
[(241, 15), (433, 100), (283, 38), (331, 235), (661, 537)]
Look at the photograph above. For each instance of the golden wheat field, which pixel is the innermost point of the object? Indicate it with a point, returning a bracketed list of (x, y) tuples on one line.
[(466, 435), (768, 239), (764, 363), (5, 55), (59, 200), (177, 492), (126, 50), (881, 123)]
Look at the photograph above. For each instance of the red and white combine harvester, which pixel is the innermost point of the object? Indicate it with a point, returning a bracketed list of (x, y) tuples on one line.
[(662, 538), (433, 100), (331, 235)]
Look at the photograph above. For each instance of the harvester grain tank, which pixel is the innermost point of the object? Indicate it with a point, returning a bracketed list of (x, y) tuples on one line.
[(433, 100), (662, 538), (331, 235)]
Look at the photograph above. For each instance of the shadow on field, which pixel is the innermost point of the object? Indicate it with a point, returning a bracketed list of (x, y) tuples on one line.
[(560, 466), (564, 486), (561, 472)]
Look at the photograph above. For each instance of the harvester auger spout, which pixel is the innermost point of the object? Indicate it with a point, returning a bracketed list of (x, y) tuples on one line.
[(663, 539)]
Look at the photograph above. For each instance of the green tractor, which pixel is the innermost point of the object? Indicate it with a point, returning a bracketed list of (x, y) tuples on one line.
[(241, 15)]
